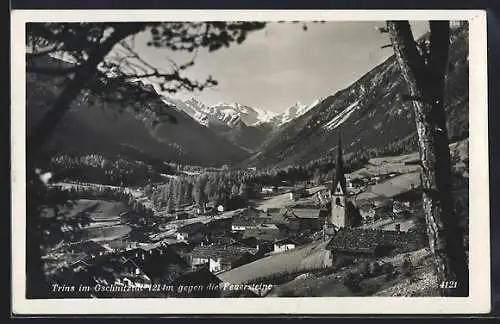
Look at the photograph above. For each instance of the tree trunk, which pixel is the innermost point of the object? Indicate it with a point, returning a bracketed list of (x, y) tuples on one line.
[(424, 75)]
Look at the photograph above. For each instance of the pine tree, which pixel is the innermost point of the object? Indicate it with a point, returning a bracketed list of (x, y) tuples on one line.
[(170, 190), (234, 190)]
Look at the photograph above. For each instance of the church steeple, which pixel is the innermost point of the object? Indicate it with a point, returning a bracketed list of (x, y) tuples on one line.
[(340, 215), (339, 169)]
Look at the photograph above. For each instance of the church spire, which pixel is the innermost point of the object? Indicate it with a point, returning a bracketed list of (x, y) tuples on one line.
[(339, 169)]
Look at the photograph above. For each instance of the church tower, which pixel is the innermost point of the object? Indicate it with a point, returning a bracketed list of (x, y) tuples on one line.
[(339, 214)]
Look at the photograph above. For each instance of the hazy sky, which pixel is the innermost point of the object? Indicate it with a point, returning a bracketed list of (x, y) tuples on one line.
[(282, 64)]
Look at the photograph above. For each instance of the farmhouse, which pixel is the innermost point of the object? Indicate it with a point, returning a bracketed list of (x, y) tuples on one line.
[(88, 247), (285, 245), (194, 232), (298, 193), (159, 264), (265, 233), (250, 218), (110, 269), (367, 211), (180, 247), (219, 226), (355, 183), (307, 219), (324, 196), (222, 257), (182, 215), (268, 190)]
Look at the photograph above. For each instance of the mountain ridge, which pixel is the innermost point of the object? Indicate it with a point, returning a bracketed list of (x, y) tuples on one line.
[(370, 114), (97, 125)]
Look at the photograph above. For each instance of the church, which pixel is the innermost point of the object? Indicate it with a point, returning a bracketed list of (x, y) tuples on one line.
[(343, 212)]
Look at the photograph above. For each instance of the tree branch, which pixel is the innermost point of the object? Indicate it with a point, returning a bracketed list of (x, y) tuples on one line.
[(83, 74)]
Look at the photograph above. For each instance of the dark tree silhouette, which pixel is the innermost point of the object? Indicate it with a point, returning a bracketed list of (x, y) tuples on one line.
[(424, 67)]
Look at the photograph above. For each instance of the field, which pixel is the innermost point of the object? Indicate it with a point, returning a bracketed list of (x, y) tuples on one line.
[(309, 257), (391, 187), (105, 223), (171, 228), (105, 233), (421, 283), (283, 200)]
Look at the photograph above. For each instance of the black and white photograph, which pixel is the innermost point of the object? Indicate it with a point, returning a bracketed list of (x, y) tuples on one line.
[(295, 157)]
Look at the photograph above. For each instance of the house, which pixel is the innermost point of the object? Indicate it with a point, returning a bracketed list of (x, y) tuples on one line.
[(355, 183), (308, 219), (111, 269), (161, 264), (367, 211), (182, 215), (88, 247), (297, 193), (265, 233), (220, 208), (248, 220), (180, 247), (409, 198), (268, 190), (222, 257), (285, 245), (273, 210), (194, 232), (219, 227), (399, 207), (243, 224), (324, 196)]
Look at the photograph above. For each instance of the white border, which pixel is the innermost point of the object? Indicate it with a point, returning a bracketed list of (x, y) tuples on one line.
[(479, 300)]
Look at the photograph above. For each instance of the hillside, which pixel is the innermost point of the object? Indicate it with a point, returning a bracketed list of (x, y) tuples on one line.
[(97, 125), (369, 114)]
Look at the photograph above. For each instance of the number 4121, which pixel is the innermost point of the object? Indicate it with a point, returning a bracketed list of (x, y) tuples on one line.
[(448, 284)]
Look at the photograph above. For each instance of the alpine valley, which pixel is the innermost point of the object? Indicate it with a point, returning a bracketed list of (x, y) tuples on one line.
[(370, 115)]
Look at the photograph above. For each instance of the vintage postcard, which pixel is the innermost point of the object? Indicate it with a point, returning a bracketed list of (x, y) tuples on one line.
[(288, 162)]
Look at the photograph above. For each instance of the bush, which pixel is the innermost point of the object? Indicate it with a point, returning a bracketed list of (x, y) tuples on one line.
[(364, 268), (352, 281), (407, 267), (387, 268), (343, 262), (375, 269)]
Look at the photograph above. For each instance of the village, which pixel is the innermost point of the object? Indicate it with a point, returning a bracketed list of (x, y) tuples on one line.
[(288, 231)]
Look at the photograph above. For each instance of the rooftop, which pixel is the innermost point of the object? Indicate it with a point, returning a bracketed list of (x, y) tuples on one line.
[(192, 228), (305, 213), (224, 252), (365, 240)]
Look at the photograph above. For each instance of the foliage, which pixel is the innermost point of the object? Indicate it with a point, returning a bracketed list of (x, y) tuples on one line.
[(95, 168)]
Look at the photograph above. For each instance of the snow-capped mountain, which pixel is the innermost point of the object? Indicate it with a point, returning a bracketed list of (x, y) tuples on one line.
[(228, 114), (297, 110), (242, 125)]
